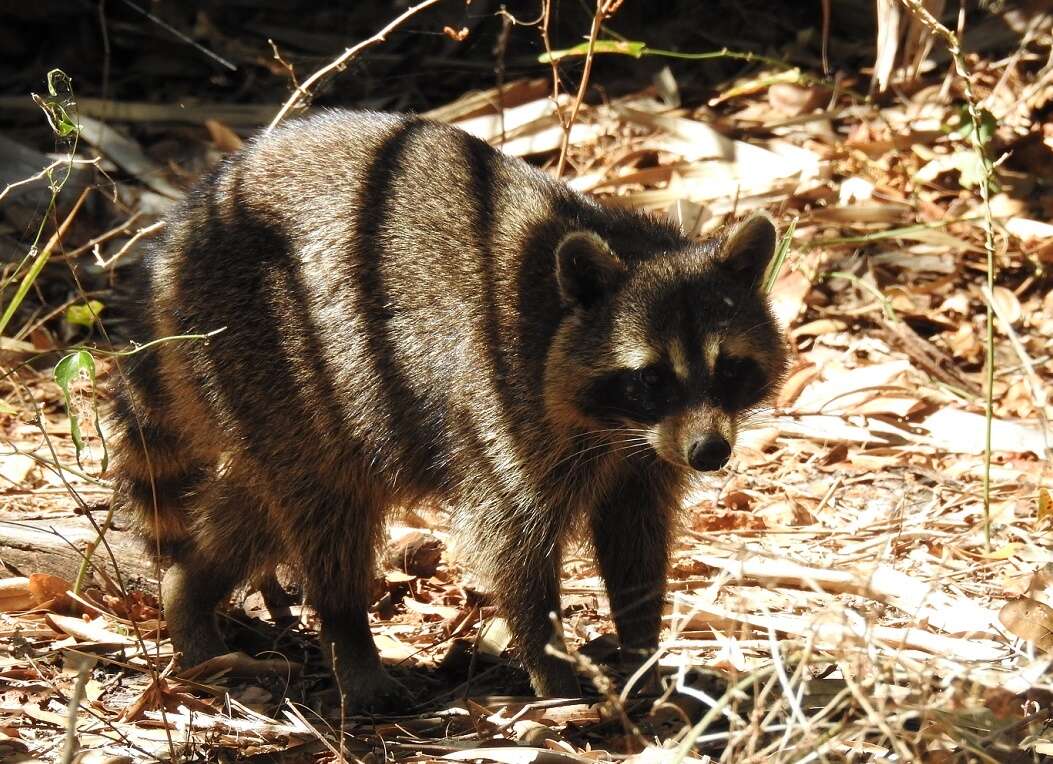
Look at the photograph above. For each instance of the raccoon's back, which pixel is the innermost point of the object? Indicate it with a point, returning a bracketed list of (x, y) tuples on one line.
[(383, 284)]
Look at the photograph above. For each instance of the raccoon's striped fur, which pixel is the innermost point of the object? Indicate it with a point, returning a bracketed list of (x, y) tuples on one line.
[(407, 313)]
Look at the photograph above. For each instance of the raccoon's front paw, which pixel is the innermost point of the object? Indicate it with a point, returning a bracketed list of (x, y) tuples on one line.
[(374, 690)]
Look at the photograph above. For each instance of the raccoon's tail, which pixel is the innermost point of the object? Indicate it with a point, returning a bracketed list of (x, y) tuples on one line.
[(155, 470)]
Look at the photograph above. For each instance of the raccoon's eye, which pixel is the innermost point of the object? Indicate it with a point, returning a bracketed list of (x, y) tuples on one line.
[(649, 377), (740, 382), (637, 395), (641, 387)]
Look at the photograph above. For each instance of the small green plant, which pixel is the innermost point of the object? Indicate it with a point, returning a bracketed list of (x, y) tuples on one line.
[(66, 371), (84, 315), (60, 109)]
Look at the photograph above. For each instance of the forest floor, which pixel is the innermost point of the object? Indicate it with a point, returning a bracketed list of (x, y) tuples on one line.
[(843, 577)]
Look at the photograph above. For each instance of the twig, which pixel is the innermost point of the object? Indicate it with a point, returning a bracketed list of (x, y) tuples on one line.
[(185, 38), (980, 148), (1037, 389), (340, 62), (144, 231), (285, 64), (546, 14), (83, 665), (45, 171), (298, 715), (41, 259), (104, 236), (500, 51), (692, 736), (604, 10)]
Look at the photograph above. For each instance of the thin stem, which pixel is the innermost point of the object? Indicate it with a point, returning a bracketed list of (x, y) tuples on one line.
[(980, 148), (604, 9)]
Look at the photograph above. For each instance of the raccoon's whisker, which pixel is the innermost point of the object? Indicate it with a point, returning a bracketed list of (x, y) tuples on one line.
[(639, 433), (636, 442), (631, 453), (573, 455), (631, 447), (756, 419)]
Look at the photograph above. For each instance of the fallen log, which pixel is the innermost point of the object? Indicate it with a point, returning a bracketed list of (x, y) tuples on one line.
[(57, 545)]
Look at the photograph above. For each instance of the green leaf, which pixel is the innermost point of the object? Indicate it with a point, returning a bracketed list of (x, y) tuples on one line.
[(964, 129), (84, 315), (66, 371), (620, 47), (59, 105), (967, 163), (971, 170)]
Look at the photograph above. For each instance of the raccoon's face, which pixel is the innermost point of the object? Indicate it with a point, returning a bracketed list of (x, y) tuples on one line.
[(671, 351)]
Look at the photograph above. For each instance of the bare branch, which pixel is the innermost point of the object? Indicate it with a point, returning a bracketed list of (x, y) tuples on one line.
[(303, 91)]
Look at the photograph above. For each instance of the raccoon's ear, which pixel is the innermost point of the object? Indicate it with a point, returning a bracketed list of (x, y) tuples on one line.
[(586, 268), (750, 247)]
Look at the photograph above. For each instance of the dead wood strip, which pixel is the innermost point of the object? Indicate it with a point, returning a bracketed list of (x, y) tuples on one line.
[(236, 114), (923, 601), (56, 546), (835, 632)]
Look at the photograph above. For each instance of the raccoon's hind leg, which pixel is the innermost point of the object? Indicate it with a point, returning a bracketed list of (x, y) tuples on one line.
[(338, 537), (192, 588), (230, 543)]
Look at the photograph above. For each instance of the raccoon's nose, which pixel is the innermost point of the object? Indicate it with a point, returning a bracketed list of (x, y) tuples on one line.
[(710, 453)]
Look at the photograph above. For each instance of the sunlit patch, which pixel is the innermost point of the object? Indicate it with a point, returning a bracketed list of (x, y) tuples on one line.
[(712, 351), (636, 356), (678, 358)]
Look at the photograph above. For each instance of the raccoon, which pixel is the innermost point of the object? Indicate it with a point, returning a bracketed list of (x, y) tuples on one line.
[(403, 313)]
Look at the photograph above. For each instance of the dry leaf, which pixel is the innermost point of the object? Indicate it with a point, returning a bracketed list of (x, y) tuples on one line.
[(416, 553), (224, 139), (458, 35), (1007, 303), (445, 612), (45, 587), (1029, 230), (519, 755), (1045, 506), (392, 649), (50, 592), (963, 432), (787, 296), (1030, 620), (793, 100), (15, 468), (87, 631), (15, 594), (495, 637), (240, 664)]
